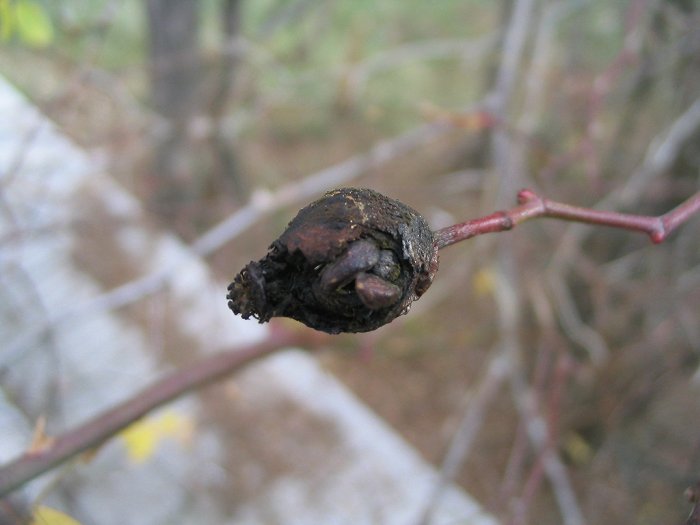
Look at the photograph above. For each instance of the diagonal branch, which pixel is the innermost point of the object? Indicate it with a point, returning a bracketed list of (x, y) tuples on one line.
[(533, 206), (97, 430)]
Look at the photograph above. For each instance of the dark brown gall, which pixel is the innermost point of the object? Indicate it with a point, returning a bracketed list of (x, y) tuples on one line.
[(352, 261)]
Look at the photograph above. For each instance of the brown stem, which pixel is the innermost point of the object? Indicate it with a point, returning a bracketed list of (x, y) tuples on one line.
[(532, 206), (97, 430)]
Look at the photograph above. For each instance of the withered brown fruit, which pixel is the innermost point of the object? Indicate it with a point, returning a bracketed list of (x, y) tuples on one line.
[(352, 261)]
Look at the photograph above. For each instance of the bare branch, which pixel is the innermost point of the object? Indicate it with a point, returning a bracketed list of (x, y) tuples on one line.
[(533, 206), (572, 324), (662, 152), (469, 426), (537, 429), (97, 430), (471, 49), (315, 183), (505, 163)]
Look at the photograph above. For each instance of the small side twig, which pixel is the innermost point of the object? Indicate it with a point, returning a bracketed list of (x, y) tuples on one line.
[(532, 205), (571, 322)]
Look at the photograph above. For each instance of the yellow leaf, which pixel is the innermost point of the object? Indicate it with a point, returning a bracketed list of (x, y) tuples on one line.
[(47, 516), (33, 24), (484, 282), (143, 437)]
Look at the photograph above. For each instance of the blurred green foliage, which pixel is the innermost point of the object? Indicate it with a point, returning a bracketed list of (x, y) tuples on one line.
[(25, 21), (306, 57)]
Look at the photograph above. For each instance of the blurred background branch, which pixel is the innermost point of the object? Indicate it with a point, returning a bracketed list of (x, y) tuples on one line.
[(222, 117)]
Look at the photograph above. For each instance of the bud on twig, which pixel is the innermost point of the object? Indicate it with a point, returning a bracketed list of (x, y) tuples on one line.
[(355, 259)]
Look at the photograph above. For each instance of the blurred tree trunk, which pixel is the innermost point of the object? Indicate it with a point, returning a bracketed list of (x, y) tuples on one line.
[(476, 154), (174, 57), (191, 160), (225, 167), (173, 35)]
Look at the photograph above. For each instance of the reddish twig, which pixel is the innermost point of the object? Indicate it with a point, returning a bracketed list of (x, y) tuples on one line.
[(97, 430), (532, 206)]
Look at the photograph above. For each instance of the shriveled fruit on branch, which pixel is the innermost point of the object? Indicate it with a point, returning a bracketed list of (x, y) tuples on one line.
[(350, 262)]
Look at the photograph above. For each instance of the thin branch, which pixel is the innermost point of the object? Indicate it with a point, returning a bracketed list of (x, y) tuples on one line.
[(543, 54), (333, 176), (97, 430), (572, 325), (533, 206), (537, 429), (661, 153), (471, 49), (504, 162), (512, 54), (507, 158), (463, 438)]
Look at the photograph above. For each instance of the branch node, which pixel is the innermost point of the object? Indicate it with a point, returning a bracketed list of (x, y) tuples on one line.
[(658, 234)]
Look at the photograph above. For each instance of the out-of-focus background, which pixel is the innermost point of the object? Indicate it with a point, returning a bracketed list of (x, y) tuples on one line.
[(551, 372)]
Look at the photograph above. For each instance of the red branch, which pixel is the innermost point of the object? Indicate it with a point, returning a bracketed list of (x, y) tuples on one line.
[(532, 206)]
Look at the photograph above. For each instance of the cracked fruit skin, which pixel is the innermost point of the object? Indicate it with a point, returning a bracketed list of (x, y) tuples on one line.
[(351, 261)]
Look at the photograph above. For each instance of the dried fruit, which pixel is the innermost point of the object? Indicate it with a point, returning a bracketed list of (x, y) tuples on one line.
[(350, 262)]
